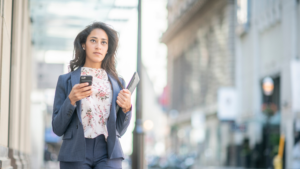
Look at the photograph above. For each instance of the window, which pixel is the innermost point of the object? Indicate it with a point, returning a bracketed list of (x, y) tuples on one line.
[(242, 11), (242, 15)]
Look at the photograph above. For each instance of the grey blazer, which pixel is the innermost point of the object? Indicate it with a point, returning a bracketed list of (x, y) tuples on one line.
[(66, 120)]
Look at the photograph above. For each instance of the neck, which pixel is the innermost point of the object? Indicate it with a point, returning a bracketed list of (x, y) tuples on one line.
[(92, 64)]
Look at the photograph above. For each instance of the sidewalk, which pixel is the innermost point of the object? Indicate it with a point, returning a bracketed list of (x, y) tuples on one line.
[(51, 165), (55, 165)]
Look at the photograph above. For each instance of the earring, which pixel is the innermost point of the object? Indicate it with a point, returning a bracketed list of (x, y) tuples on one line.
[(83, 48)]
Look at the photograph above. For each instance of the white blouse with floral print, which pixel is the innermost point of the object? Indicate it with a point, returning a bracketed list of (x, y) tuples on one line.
[(95, 108)]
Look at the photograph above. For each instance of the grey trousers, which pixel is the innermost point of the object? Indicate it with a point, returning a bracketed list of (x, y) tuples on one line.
[(96, 157)]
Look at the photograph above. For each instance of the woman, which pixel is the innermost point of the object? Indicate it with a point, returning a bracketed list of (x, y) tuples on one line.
[(86, 115)]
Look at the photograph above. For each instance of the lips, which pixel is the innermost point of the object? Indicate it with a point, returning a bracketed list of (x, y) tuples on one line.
[(97, 53)]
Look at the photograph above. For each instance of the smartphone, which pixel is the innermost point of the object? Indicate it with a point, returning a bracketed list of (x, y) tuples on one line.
[(86, 78)]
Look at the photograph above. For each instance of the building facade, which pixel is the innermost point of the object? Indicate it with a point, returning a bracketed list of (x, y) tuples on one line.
[(201, 60), (267, 45), (232, 46), (15, 84)]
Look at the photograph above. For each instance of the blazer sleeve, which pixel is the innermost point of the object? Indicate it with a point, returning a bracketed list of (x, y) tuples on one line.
[(123, 119), (62, 108)]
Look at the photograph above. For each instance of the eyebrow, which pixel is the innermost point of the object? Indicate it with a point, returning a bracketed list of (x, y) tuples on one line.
[(97, 38)]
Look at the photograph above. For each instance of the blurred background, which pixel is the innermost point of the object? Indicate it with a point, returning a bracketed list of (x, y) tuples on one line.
[(220, 79)]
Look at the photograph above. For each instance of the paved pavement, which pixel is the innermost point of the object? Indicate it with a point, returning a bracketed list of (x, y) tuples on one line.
[(55, 165), (51, 165)]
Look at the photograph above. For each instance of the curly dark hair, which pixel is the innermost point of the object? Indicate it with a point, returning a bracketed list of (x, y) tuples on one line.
[(109, 61)]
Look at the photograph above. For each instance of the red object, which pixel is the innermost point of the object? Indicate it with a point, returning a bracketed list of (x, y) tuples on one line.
[(164, 98)]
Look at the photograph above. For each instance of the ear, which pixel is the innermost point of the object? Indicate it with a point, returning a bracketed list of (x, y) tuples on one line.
[(83, 45)]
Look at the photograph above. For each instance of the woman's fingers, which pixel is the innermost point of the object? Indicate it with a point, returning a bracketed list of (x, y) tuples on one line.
[(119, 103), (125, 94), (86, 88), (83, 94), (126, 91), (124, 98), (80, 85), (80, 91), (82, 88), (121, 98), (86, 93)]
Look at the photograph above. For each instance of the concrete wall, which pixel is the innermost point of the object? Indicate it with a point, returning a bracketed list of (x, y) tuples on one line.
[(15, 88)]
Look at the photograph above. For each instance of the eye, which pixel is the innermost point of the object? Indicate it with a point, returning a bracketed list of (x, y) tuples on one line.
[(93, 40), (104, 42)]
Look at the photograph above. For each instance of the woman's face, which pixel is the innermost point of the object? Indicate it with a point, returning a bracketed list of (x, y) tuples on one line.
[(96, 46)]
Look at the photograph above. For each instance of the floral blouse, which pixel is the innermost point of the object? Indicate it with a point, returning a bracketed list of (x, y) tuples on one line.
[(96, 108)]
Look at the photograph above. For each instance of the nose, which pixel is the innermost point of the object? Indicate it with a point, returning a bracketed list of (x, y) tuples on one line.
[(98, 45)]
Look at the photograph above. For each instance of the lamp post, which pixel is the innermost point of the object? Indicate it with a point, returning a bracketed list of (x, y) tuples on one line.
[(138, 133), (268, 87)]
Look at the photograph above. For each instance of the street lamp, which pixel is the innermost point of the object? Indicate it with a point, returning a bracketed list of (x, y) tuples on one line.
[(138, 133), (268, 88)]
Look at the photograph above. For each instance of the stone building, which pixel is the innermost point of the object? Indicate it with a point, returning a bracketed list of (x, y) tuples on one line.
[(201, 60), (15, 84), (234, 44)]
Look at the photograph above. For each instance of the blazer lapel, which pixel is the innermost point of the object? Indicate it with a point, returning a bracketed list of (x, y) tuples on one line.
[(114, 85), (111, 122), (75, 79)]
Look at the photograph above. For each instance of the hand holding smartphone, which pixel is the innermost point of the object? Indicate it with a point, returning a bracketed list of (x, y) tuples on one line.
[(86, 79), (82, 90)]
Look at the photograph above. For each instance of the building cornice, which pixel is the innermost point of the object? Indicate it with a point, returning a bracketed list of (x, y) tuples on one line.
[(269, 17), (182, 20)]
